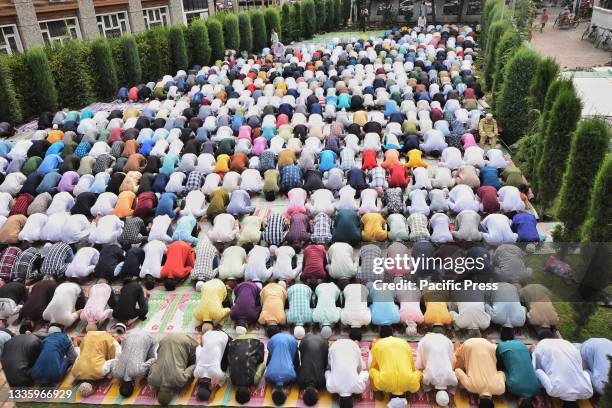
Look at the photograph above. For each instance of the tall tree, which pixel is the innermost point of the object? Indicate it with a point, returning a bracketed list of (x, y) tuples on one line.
[(547, 72)]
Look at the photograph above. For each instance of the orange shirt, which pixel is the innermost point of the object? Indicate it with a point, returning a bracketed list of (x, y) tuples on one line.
[(125, 204)]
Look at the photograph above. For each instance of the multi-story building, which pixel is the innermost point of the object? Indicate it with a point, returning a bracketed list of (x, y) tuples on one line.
[(34, 23)]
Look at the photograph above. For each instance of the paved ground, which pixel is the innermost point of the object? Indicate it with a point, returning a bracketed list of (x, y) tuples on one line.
[(571, 52)]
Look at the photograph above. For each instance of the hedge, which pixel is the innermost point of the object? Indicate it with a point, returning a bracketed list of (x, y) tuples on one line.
[(329, 15), (178, 48), (199, 44), (310, 22), (346, 11), (496, 30), (103, 70), (43, 92), (215, 35), (338, 14), (231, 32), (154, 52), (596, 228), (273, 22), (564, 116), (286, 28), (513, 108), (508, 44), (260, 39), (70, 65), (490, 8), (547, 71), (131, 61), (296, 21), (320, 15), (246, 32), (19, 72), (10, 108), (588, 149)]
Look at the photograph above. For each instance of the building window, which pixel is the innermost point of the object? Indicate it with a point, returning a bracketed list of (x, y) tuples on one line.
[(154, 17), (113, 25), (474, 7), (57, 31), (195, 9), (10, 43)]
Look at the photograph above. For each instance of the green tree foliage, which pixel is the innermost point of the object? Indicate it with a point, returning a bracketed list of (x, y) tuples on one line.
[(547, 72), (338, 13), (231, 32), (320, 15), (131, 61), (260, 39), (330, 17), (564, 116), (491, 7), (215, 36), (10, 108), (346, 11), (199, 44), (154, 53), (40, 79), (513, 108), (178, 49), (496, 30), (310, 22), (508, 44), (524, 156), (296, 21), (18, 72), (103, 69), (273, 21), (286, 28), (588, 149), (596, 228), (246, 32)]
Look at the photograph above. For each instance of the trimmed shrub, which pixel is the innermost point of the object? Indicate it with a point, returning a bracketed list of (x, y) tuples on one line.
[(564, 116), (103, 70), (178, 49), (246, 32), (310, 22), (588, 149), (329, 15), (524, 155), (513, 107), (273, 22), (320, 15), (547, 72), (10, 108), (296, 21), (486, 18), (154, 53), (18, 72), (70, 66), (508, 44), (286, 28), (199, 43), (496, 30), (215, 36), (346, 11), (41, 80), (231, 32), (551, 96), (338, 13), (131, 61), (597, 225), (260, 39)]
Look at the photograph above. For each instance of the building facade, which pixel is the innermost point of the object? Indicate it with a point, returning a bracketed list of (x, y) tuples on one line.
[(35, 23)]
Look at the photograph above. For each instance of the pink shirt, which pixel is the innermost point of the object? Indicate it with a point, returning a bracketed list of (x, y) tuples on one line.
[(95, 309), (468, 140), (259, 145), (244, 133)]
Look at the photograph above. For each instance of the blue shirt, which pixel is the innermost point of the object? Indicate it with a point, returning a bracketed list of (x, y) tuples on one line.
[(184, 229), (525, 225), (50, 164), (170, 164), (327, 160), (55, 148), (291, 177), (49, 183), (521, 379), (489, 177), (283, 352), (166, 205), (383, 308), (53, 361), (146, 147)]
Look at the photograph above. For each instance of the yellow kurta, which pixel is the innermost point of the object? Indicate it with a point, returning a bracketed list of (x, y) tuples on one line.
[(392, 367), (96, 348), (415, 159), (222, 164), (373, 227), (210, 308), (477, 357), (273, 298)]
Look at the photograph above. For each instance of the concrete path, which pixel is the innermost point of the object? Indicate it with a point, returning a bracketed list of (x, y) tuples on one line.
[(567, 48)]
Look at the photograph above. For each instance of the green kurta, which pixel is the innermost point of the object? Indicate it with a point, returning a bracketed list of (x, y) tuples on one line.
[(175, 362)]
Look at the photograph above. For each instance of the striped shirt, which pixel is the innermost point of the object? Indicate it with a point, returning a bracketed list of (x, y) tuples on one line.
[(321, 230), (194, 181), (8, 258), (132, 229), (57, 260), (204, 262), (299, 296), (417, 223), (276, 229), (27, 266)]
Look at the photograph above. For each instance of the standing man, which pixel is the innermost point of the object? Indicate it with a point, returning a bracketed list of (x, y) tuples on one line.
[(543, 19), (365, 14), (487, 129)]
